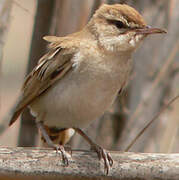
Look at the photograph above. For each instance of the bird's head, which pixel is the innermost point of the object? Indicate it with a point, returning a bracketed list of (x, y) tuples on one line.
[(120, 27)]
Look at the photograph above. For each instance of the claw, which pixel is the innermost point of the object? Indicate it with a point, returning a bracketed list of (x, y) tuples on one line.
[(110, 159), (65, 159), (102, 154), (51, 144), (63, 154)]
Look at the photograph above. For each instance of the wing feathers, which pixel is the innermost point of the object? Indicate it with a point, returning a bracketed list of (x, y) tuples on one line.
[(51, 67)]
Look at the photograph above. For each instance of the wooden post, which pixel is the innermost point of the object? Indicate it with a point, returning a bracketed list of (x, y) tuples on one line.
[(26, 163)]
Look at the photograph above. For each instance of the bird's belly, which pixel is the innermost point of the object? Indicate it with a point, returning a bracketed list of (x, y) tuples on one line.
[(75, 104)]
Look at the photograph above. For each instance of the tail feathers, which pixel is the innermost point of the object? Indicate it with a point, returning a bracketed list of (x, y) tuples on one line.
[(10, 117), (17, 109), (5, 123), (15, 116)]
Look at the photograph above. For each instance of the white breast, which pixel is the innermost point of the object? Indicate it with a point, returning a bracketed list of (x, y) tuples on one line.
[(77, 99)]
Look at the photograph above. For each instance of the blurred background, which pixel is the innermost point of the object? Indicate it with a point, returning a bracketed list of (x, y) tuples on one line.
[(154, 81)]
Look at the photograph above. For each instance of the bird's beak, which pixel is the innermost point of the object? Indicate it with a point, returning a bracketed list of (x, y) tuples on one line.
[(149, 30)]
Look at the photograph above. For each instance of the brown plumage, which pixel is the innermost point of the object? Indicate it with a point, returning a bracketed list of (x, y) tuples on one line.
[(80, 76)]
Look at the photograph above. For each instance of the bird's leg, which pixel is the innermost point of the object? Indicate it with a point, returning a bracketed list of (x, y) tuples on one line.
[(51, 144), (102, 154)]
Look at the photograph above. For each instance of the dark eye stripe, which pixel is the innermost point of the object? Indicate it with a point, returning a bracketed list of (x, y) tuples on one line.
[(118, 24)]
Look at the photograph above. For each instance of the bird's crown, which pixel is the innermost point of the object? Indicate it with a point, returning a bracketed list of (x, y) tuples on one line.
[(122, 13)]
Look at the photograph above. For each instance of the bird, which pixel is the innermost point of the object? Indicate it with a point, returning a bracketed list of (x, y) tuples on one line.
[(80, 76)]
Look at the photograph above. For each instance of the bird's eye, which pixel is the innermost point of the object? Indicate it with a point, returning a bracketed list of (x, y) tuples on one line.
[(118, 24)]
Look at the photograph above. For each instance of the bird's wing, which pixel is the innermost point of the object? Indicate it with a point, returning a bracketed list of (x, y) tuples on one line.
[(51, 67)]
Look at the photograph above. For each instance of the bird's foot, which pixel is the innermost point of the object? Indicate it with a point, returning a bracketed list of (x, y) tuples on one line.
[(102, 154), (64, 154), (51, 144)]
